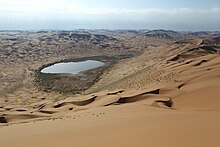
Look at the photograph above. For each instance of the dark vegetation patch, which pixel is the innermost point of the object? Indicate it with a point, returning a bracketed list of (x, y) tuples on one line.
[(74, 84)]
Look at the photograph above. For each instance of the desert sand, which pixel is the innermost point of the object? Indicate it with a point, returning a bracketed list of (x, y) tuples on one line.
[(167, 94)]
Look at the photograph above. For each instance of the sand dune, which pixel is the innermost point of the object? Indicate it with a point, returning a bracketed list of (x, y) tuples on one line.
[(170, 102), (125, 125), (202, 99)]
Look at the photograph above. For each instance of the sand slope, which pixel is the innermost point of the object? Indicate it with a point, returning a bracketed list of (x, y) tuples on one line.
[(127, 125), (169, 102)]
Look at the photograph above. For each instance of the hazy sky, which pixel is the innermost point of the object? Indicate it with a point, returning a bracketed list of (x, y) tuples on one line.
[(193, 15)]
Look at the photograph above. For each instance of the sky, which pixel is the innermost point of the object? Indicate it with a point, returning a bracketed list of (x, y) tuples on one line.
[(180, 15)]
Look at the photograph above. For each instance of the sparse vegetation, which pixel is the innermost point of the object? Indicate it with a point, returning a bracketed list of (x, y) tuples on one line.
[(68, 83)]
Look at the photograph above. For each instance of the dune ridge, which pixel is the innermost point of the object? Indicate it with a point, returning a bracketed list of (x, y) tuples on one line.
[(173, 98)]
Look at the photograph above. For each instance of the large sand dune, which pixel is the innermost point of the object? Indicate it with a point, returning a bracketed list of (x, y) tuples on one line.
[(167, 96)]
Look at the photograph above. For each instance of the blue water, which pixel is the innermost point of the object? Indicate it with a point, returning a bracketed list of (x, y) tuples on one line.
[(72, 67)]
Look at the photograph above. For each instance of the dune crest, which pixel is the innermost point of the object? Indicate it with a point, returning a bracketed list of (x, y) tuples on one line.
[(165, 94)]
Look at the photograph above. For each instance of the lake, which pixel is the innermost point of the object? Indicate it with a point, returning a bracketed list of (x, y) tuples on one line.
[(72, 67)]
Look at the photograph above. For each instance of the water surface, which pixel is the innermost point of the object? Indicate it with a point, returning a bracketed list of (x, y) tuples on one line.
[(72, 67)]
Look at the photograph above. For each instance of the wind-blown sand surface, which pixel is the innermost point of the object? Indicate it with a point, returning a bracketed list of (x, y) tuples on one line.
[(168, 96), (127, 125)]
